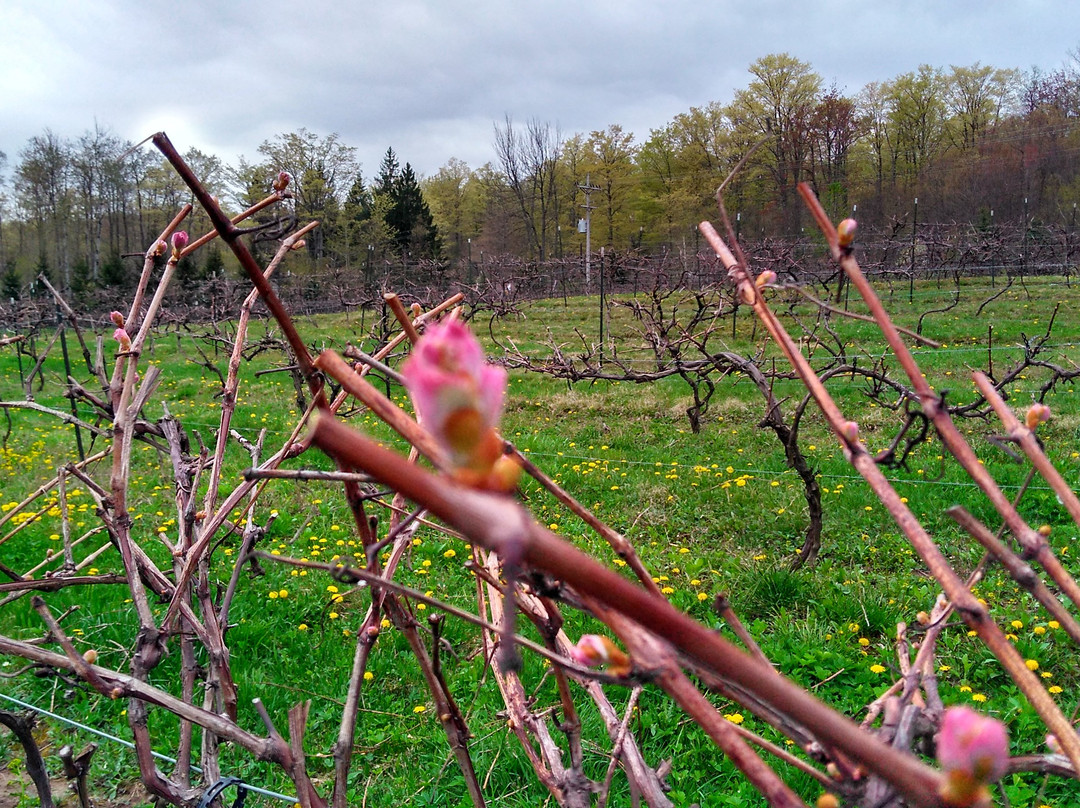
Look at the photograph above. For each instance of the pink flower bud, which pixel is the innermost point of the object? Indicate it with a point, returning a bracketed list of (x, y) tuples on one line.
[(457, 395), (282, 181), (121, 336), (179, 241), (117, 318), (595, 650), (973, 750), (160, 247), (765, 278), (845, 232), (1036, 414), (850, 431)]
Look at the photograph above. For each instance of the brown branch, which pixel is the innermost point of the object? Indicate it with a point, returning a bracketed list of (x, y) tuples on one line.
[(22, 727), (616, 747), (1030, 444), (56, 584), (973, 611), (865, 318), (230, 234), (398, 308), (493, 522), (623, 548), (1023, 574)]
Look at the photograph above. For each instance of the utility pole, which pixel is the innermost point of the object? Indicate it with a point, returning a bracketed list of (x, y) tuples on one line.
[(588, 188)]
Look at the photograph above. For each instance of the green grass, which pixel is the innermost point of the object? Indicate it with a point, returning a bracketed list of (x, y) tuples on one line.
[(713, 512)]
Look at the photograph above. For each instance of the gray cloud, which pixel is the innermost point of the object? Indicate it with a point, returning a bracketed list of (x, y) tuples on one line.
[(429, 78)]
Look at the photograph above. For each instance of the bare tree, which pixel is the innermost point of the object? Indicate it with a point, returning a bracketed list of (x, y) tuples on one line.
[(528, 160)]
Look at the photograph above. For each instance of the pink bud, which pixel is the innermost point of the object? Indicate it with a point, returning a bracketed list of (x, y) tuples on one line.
[(160, 247), (973, 746), (595, 650), (179, 241), (121, 336), (457, 395), (845, 232), (1036, 414), (765, 278), (850, 431), (282, 181), (117, 318)]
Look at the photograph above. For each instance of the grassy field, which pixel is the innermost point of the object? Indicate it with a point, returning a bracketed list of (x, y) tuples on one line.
[(711, 512)]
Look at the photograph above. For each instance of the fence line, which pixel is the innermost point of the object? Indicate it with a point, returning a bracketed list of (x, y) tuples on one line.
[(937, 252)]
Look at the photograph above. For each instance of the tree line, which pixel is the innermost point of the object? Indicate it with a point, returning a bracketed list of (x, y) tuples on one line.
[(974, 145)]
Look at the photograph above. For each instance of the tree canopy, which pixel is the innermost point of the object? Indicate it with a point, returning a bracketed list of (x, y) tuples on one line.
[(965, 139)]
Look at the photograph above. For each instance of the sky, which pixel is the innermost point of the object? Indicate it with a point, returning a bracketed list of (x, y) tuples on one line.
[(431, 77)]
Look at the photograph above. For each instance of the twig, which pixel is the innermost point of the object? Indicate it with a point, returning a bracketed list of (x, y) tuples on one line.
[(616, 747), (866, 318), (491, 522)]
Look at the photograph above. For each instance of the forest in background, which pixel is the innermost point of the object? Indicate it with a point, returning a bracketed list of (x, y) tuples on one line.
[(977, 146)]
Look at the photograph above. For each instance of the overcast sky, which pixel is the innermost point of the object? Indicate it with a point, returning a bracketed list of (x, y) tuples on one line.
[(429, 77)]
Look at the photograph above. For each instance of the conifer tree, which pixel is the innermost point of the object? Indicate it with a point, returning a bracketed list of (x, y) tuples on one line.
[(10, 287)]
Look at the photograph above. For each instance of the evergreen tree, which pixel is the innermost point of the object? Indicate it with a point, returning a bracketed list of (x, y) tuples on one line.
[(81, 282), (388, 174), (214, 265), (364, 216), (42, 269), (187, 273), (113, 272), (358, 202), (410, 217), (10, 287)]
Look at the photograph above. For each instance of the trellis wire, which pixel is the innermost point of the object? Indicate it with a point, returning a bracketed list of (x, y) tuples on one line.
[(130, 745)]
